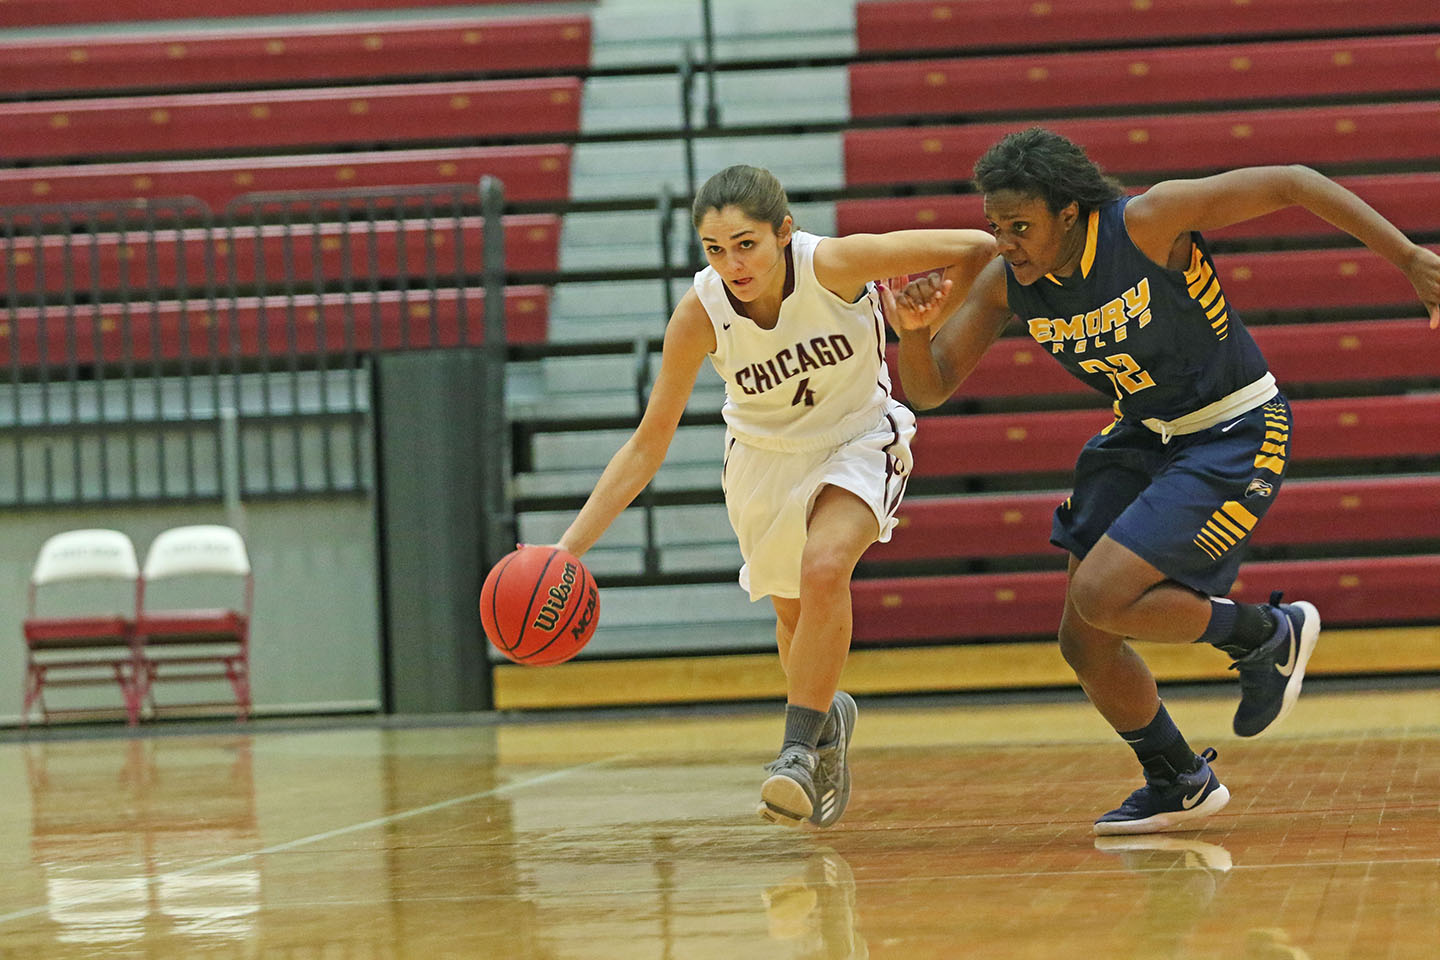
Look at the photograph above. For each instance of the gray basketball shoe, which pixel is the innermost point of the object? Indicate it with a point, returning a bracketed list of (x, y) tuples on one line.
[(788, 796), (832, 775)]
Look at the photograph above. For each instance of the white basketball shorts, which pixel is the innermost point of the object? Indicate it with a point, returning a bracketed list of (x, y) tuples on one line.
[(769, 495)]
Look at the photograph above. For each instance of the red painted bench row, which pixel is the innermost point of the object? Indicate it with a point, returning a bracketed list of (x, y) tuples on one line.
[(1344, 352), (1379, 590), (189, 123), (1352, 510), (1162, 143), (1308, 70), (532, 244), (308, 324), (271, 55), (995, 444), (539, 172), (1411, 201), (903, 26), (33, 13)]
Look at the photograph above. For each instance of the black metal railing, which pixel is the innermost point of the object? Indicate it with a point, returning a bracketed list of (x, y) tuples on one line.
[(153, 351)]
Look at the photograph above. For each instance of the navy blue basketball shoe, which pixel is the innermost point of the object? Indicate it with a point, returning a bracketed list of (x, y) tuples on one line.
[(1168, 802), (1271, 674)]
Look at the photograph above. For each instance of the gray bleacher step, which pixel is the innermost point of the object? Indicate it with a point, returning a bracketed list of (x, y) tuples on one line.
[(673, 476), (576, 449), (809, 161), (631, 238), (690, 538), (610, 310), (630, 32), (798, 95), (688, 530), (596, 386)]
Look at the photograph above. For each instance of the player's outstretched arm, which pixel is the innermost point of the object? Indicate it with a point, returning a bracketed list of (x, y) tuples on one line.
[(688, 339), (843, 265), (1167, 210), (932, 368)]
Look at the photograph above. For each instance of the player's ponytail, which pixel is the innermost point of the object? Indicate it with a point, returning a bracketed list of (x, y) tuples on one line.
[(1041, 163), (754, 190)]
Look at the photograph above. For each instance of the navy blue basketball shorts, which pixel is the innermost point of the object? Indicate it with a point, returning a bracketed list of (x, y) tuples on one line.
[(1187, 507)]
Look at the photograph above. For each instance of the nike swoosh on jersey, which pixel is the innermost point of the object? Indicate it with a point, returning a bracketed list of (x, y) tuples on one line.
[(1226, 428)]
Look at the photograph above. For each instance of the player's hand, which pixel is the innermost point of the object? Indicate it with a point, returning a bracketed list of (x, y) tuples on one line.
[(915, 307), (1423, 271)]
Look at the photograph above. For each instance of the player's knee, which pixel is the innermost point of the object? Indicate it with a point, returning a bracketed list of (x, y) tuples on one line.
[(1081, 646), (1097, 599), (824, 571)]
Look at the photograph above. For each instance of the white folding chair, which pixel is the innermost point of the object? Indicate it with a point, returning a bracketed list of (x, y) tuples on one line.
[(81, 647), (178, 644)]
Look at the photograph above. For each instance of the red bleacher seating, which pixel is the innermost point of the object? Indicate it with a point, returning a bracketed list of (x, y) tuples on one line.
[(539, 172), (394, 113), (902, 26), (1085, 80), (1313, 279), (1186, 142), (996, 444), (1350, 591), (272, 326), (34, 13), (1367, 350), (271, 55), (531, 245), (1411, 201), (1350, 510)]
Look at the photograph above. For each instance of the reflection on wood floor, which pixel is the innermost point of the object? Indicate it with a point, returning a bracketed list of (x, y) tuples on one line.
[(633, 836)]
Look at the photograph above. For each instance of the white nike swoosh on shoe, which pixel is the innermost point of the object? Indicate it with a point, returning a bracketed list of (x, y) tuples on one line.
[(1187, 802), (1288, 667), (1226, 428)]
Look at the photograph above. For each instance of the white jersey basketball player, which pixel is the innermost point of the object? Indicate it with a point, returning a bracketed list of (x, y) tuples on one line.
[(807, 404), (816, 451)]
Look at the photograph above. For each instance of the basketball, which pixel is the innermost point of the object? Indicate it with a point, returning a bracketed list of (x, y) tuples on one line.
[(539, 605)]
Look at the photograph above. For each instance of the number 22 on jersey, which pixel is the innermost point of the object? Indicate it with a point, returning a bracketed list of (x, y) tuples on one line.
[(1124, 373)]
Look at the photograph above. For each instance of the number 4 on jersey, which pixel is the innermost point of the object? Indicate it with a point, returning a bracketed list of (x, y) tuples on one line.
[(803, 394)]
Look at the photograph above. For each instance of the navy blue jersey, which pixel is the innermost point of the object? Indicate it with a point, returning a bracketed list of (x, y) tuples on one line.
[(1163, 342)]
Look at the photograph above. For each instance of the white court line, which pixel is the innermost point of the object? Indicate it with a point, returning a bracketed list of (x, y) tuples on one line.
[(318, 837)]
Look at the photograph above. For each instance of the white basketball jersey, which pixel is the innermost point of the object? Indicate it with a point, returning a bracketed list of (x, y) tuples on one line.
[(817, 379)]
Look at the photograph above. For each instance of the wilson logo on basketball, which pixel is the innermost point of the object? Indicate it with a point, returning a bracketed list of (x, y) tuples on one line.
[(549, 614), (587, 615)]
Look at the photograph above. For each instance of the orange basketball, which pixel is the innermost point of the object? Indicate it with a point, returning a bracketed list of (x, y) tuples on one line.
[(539, 605)]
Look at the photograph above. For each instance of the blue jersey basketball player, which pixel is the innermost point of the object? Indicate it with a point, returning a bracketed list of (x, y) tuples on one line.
[(1123, 292)]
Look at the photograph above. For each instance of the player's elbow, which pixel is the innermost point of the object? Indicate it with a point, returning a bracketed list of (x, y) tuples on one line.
[(923, 398)]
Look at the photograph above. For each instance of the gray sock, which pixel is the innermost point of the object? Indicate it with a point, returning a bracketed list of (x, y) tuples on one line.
[(802, 726)]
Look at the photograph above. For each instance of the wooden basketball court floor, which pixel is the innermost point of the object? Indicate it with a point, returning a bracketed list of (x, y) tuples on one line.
[(632, 836)]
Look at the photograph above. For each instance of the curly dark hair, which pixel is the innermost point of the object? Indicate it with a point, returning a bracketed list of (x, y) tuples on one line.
[(1041, 163)]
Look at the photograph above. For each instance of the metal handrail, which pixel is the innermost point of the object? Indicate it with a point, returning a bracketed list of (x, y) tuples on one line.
[(497, 502)]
